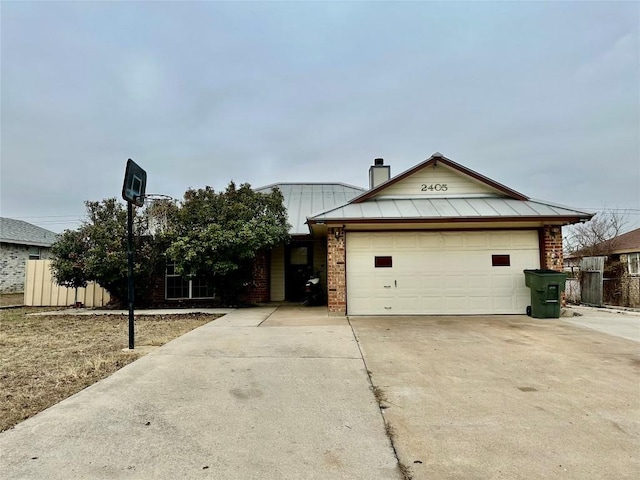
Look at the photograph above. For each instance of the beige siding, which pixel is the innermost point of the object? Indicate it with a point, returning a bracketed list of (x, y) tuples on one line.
[(277, 274), (320, 258), (41, 290), (445, 182)]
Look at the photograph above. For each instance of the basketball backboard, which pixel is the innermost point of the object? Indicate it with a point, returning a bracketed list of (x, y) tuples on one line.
[(135, 183)]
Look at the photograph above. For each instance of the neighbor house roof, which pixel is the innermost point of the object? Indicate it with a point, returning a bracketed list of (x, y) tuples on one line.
[(303, 200), (626, 243), (23, 233)]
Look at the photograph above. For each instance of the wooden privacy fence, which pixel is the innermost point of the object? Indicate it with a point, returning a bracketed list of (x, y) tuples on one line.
[(592, 269), (41, 290)]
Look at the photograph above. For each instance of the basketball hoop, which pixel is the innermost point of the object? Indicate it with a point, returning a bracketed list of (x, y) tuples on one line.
[(157, 205)]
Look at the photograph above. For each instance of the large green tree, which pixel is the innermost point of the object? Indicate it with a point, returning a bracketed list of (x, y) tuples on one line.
[(68, 262), (211, 235), (97, 251), (217, 235)]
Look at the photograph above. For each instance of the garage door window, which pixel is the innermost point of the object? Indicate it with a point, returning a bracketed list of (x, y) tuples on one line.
[(383, 262), (500, 260)]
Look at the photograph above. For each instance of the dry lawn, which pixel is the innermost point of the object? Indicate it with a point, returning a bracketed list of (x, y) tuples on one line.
[(45, 359), (11, 299)]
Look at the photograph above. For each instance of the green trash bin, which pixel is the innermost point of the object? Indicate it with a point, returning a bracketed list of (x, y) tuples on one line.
[(546, 292)]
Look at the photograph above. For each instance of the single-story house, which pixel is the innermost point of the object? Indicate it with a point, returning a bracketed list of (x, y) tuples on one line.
[(623, 287), (20, 241), (438, 238), (621, 255), (627, 248)]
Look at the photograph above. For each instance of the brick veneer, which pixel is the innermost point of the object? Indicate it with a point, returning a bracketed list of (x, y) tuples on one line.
[(336, 272), (259, 290), (13, 261), (551, 248)]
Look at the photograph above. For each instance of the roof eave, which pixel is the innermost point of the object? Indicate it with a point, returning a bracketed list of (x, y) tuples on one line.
[(558, 220), (28, 243)]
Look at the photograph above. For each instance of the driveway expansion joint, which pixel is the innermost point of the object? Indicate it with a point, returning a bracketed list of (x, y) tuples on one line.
[(388, 428)]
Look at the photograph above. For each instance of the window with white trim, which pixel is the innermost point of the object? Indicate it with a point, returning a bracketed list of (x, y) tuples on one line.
[(34, 253), (181, 288), (633, 263)]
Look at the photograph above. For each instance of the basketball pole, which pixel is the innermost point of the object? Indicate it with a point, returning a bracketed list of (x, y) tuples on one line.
[(133, 188), (130, 279)]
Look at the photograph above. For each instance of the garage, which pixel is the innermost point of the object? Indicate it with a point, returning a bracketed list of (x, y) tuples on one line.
[(438, 239), (468, 272)]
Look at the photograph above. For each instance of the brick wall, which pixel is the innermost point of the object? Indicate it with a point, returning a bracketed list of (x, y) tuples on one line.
[(13, 261), (259, 291), (156, 295), (552, 248), (336, 272)]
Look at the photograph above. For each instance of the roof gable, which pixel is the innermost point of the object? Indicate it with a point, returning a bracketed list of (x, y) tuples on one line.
[(440, 191), (439, 177)]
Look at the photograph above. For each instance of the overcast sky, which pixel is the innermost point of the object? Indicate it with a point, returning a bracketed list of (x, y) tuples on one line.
[(542, 97)]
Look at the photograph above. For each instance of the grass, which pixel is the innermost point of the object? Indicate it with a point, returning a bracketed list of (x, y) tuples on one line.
[(45, 359)]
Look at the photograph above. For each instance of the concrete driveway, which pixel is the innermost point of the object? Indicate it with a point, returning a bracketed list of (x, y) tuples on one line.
[(234, 399), (505, 397)]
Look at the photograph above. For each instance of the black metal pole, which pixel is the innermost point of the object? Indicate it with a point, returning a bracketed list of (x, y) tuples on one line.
[(130, 258)]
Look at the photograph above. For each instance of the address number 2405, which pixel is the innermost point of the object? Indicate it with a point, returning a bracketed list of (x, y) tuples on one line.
[(434, 187)]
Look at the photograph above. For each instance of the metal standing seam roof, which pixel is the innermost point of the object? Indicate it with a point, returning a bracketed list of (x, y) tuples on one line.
[(303, 200), (23, 233), (447, 208)]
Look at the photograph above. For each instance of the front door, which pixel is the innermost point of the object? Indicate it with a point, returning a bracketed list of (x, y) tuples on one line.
[(299, 266)]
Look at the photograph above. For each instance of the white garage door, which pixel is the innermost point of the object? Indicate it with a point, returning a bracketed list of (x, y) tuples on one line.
[(439, 272)]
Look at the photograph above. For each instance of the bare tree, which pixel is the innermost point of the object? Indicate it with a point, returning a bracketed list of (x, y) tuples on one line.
[(595, 237)]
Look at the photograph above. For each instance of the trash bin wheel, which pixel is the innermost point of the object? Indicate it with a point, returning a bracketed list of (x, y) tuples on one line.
[(529, 310)]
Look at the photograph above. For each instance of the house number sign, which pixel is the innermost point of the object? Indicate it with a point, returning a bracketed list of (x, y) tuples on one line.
[(434, 187)]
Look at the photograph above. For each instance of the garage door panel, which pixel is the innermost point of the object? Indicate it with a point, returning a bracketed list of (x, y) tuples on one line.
[(504, 281), (455, 282), (431, 242), (408, 241), (476, 241), (439, 272), (481, 304), (500, 240), (452, 240), (456, 304)]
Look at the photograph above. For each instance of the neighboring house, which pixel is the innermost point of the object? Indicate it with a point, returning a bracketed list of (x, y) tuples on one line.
[(20, 241), (438, 238), (626, 249), (621, 282)]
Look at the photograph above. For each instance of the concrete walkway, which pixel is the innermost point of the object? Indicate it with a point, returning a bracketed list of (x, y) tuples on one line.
[(229, 400), (620, 323), (151, 311)]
